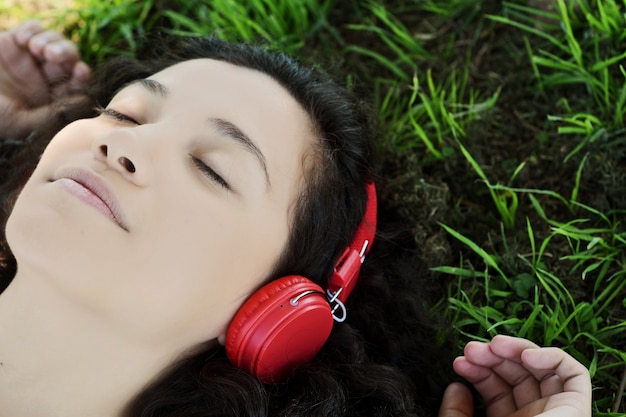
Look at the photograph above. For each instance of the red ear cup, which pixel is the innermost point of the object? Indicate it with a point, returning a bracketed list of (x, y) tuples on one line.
[(281, 326)]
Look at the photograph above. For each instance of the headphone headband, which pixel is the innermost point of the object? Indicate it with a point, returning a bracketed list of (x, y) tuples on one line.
[(348, 265)]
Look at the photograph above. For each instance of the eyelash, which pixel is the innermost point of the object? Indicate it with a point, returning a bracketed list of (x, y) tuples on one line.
[(209, 172), (120, 117)]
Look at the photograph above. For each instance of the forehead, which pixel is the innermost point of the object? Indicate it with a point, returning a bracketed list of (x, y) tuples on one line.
[(204, 76), (218, 86), (251, 100)]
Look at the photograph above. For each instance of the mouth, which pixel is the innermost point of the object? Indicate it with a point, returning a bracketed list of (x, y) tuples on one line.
[(93, 191)]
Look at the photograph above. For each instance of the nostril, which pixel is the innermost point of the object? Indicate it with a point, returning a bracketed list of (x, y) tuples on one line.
[(104, 149), (127, 163)]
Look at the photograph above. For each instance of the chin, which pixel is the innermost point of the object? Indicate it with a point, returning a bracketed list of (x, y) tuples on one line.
[(43, 230)]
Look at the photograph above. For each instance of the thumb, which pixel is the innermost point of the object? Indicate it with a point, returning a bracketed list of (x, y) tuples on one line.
[(457, 401)]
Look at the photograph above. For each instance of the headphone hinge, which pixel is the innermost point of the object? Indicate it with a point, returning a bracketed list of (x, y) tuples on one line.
[(345, 275)]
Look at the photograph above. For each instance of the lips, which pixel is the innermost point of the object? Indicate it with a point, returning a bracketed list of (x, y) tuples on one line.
[(93, 191)]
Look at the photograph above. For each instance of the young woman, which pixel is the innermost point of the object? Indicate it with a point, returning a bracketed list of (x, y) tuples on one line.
[(170, 202)]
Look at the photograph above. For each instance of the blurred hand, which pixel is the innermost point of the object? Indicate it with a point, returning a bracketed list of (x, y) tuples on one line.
[(37, 67), (517, 378)]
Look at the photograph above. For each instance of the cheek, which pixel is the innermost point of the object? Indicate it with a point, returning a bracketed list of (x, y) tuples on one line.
[(198, 297), (216, 233), (71, 143), (76, 135), (194, 269), (216, 244)]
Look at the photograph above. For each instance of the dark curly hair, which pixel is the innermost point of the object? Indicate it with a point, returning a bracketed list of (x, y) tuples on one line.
[(385, 360)]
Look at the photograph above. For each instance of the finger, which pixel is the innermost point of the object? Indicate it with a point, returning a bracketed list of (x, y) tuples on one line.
[(562, 380), (503, 356), (481, 354), (76, 85), (558, 370), (61, 59), (38, 42), (510, 347), (551, 384), (457, 402), (20, 75), (56, 73), (496, 393), (565, 410), (61, 51), (25, 31), (81, 74)]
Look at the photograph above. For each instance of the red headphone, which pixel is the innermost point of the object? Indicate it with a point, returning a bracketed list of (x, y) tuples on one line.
[(285, 323)]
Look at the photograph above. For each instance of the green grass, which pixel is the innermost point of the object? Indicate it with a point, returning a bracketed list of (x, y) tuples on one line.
[(586, 50), (518, 111)]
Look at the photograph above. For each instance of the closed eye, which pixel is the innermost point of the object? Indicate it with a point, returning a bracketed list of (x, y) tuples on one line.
[(209, 172), (120, 117)]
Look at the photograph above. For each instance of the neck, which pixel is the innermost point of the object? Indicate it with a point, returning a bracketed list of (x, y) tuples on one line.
[(58, 360)]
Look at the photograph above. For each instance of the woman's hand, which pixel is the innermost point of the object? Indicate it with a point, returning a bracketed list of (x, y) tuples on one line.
[(37, 67), (517, 378)]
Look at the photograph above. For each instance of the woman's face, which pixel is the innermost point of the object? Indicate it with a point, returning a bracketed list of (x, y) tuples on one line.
[(165, 212)]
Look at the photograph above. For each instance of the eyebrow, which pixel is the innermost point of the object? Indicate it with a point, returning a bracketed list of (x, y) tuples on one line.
[(153, 86), (230, 130)]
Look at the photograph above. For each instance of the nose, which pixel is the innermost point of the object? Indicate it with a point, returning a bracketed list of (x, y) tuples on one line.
[(122, 151)]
